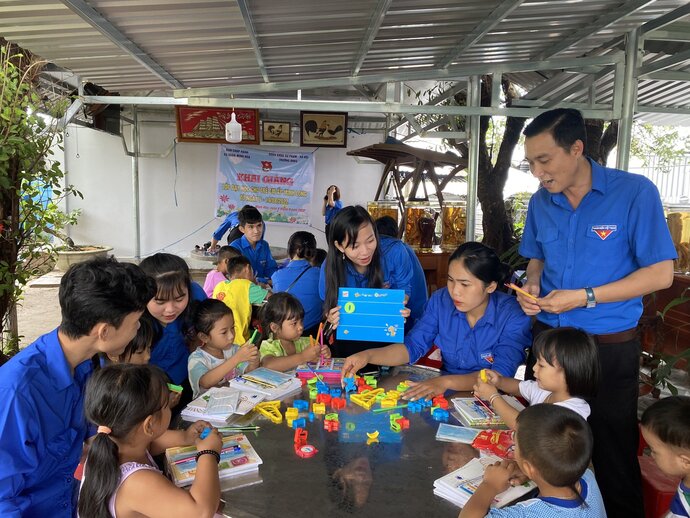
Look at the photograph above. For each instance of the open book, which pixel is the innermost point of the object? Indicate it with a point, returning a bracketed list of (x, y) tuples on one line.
[(218, 404), (476, 413), (238, 457), (459, 485), (250, 385)]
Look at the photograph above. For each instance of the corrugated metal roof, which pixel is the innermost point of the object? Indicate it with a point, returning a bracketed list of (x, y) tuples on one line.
[(209, 43)]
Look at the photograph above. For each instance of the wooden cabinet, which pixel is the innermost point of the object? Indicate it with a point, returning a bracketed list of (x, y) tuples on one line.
[(435, 265)]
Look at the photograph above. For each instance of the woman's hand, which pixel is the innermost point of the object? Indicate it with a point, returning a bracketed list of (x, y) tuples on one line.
[(333, 317), (425, 389), (353, 363)]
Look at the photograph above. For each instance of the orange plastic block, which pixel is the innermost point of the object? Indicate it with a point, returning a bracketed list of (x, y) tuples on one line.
[(441, 402), (337, 403), (331, 426)]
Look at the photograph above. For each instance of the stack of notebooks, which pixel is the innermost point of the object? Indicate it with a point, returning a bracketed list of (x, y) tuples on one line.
[(219, 404), (478, 414), (237, 458), (458, 486), (328, 369), (267, 382)]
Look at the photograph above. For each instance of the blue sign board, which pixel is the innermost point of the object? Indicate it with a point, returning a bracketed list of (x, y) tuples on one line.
[(371, 315)]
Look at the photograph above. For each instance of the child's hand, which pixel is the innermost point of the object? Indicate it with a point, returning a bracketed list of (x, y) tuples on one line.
[(325, 351), (247, 353), (191, 434), (498, 475), (492, 377), (333, 317), (213, 441), (484, 390), (311, 353)]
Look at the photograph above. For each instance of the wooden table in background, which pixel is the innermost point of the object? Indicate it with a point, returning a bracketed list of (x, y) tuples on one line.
[(435, 265)]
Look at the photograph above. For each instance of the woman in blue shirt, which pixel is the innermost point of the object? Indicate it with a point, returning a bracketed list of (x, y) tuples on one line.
[(355, 260), (170, 308), (331, 206), (474, 326), (301, 279)]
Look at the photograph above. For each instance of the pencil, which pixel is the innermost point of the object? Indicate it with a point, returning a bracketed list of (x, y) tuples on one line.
[(520, 290)]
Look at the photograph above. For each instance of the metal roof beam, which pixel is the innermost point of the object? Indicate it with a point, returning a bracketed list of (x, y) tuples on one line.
[(348, 106), (105, 27), (485, 26), (251, 32), (664, 20), (669, 75), (602, 22), (374, 25), (661, 64), (672, 34), (439, 74)]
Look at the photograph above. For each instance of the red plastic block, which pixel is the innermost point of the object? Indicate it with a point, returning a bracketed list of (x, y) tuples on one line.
[(323, 398), (338, 403)]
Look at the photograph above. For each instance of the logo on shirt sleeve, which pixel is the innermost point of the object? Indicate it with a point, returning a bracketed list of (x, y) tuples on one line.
[(488, 357), (604, 231)]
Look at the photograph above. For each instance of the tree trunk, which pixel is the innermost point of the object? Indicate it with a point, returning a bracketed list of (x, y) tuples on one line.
[(600, 142)]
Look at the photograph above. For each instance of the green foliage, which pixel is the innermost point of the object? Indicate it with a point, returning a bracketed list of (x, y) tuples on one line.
[(663, 142), (28, 132)]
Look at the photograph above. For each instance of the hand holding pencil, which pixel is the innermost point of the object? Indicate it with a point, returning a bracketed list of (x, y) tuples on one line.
[(527, 297)]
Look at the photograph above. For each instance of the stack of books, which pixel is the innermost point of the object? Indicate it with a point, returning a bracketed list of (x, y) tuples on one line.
[(458, 486), (219, 404), (237, 458), (476, 413), (267, 382), (328, 369)]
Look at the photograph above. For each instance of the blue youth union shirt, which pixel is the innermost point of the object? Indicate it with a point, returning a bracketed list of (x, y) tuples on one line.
[(306, 289), (618, 228), (497, 341), (42, 430), (260, 257)]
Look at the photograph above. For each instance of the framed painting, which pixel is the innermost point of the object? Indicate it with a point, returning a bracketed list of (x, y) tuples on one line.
[(275, 131), (323, 129), (208, 124)]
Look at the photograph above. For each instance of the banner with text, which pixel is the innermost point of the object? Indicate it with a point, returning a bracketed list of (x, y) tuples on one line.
[(277, 181)]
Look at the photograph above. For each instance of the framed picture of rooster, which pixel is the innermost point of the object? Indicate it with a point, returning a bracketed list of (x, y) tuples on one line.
[(275, 131), (323, 129)]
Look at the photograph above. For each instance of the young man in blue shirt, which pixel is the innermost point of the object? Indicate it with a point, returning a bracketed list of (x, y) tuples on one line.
[(597, 241), (42, 423), (253, 246)]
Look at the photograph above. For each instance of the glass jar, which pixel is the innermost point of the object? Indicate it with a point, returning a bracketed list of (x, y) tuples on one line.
[(679, 227), (382, 208), (454, 220), (415, 214)]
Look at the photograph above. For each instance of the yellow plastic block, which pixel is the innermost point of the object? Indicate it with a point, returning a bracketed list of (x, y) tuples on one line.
[(393, 394), (319, 408), (388, 403), (367, 398)]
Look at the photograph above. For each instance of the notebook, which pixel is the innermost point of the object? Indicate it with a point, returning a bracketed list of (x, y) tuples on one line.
[(477, 414), (459, 485), (269, 393), (371, 314), (451, 433), (238, 457), (218, 404), (267, 377), (327, 368)]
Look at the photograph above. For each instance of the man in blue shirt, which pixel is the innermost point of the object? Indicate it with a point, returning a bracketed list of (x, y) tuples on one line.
[(597, 241), (231, 223), (253, 246), (42, 424)]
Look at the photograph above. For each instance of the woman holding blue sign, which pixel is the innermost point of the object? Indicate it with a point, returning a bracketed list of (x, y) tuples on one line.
[(474, 326), (355, 260)]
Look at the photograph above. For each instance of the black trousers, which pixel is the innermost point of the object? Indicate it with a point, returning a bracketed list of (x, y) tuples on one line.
[(614, 426)]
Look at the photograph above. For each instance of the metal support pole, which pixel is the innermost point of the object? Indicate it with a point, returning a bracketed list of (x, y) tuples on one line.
[(135, 185), (629, 99), (474, 99)]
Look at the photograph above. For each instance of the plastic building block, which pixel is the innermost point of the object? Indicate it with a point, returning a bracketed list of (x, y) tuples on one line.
[(300, 404), (313, 393), (322, 387), (402, 387), (414, 406), (299, 423), (311, 417), (404, 423), (366, 399), (336, 392), (323, 398), (440, 401), (426, 403), (388, 403), (350, 384), (395, 426), (393, 394), (291, 413), (331, 426), (380, 396), (312, 382), (270, 409), (337, 403), (333, 416), (373, 435), (301, 436), (440, 415), (306, 451), (319, 408), (394, 417)]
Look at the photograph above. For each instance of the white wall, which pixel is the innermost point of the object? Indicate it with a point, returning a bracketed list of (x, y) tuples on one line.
[(103, 173)]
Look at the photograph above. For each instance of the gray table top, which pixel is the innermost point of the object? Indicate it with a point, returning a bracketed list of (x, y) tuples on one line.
[(346, 477)]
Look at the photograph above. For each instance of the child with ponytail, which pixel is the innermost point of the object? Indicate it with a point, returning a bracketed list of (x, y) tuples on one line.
[(130, 406)]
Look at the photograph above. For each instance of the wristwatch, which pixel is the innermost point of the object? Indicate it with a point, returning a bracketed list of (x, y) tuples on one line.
[(591, 300)]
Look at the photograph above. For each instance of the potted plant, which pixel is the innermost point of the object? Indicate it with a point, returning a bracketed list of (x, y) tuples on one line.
[(69, 253)]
